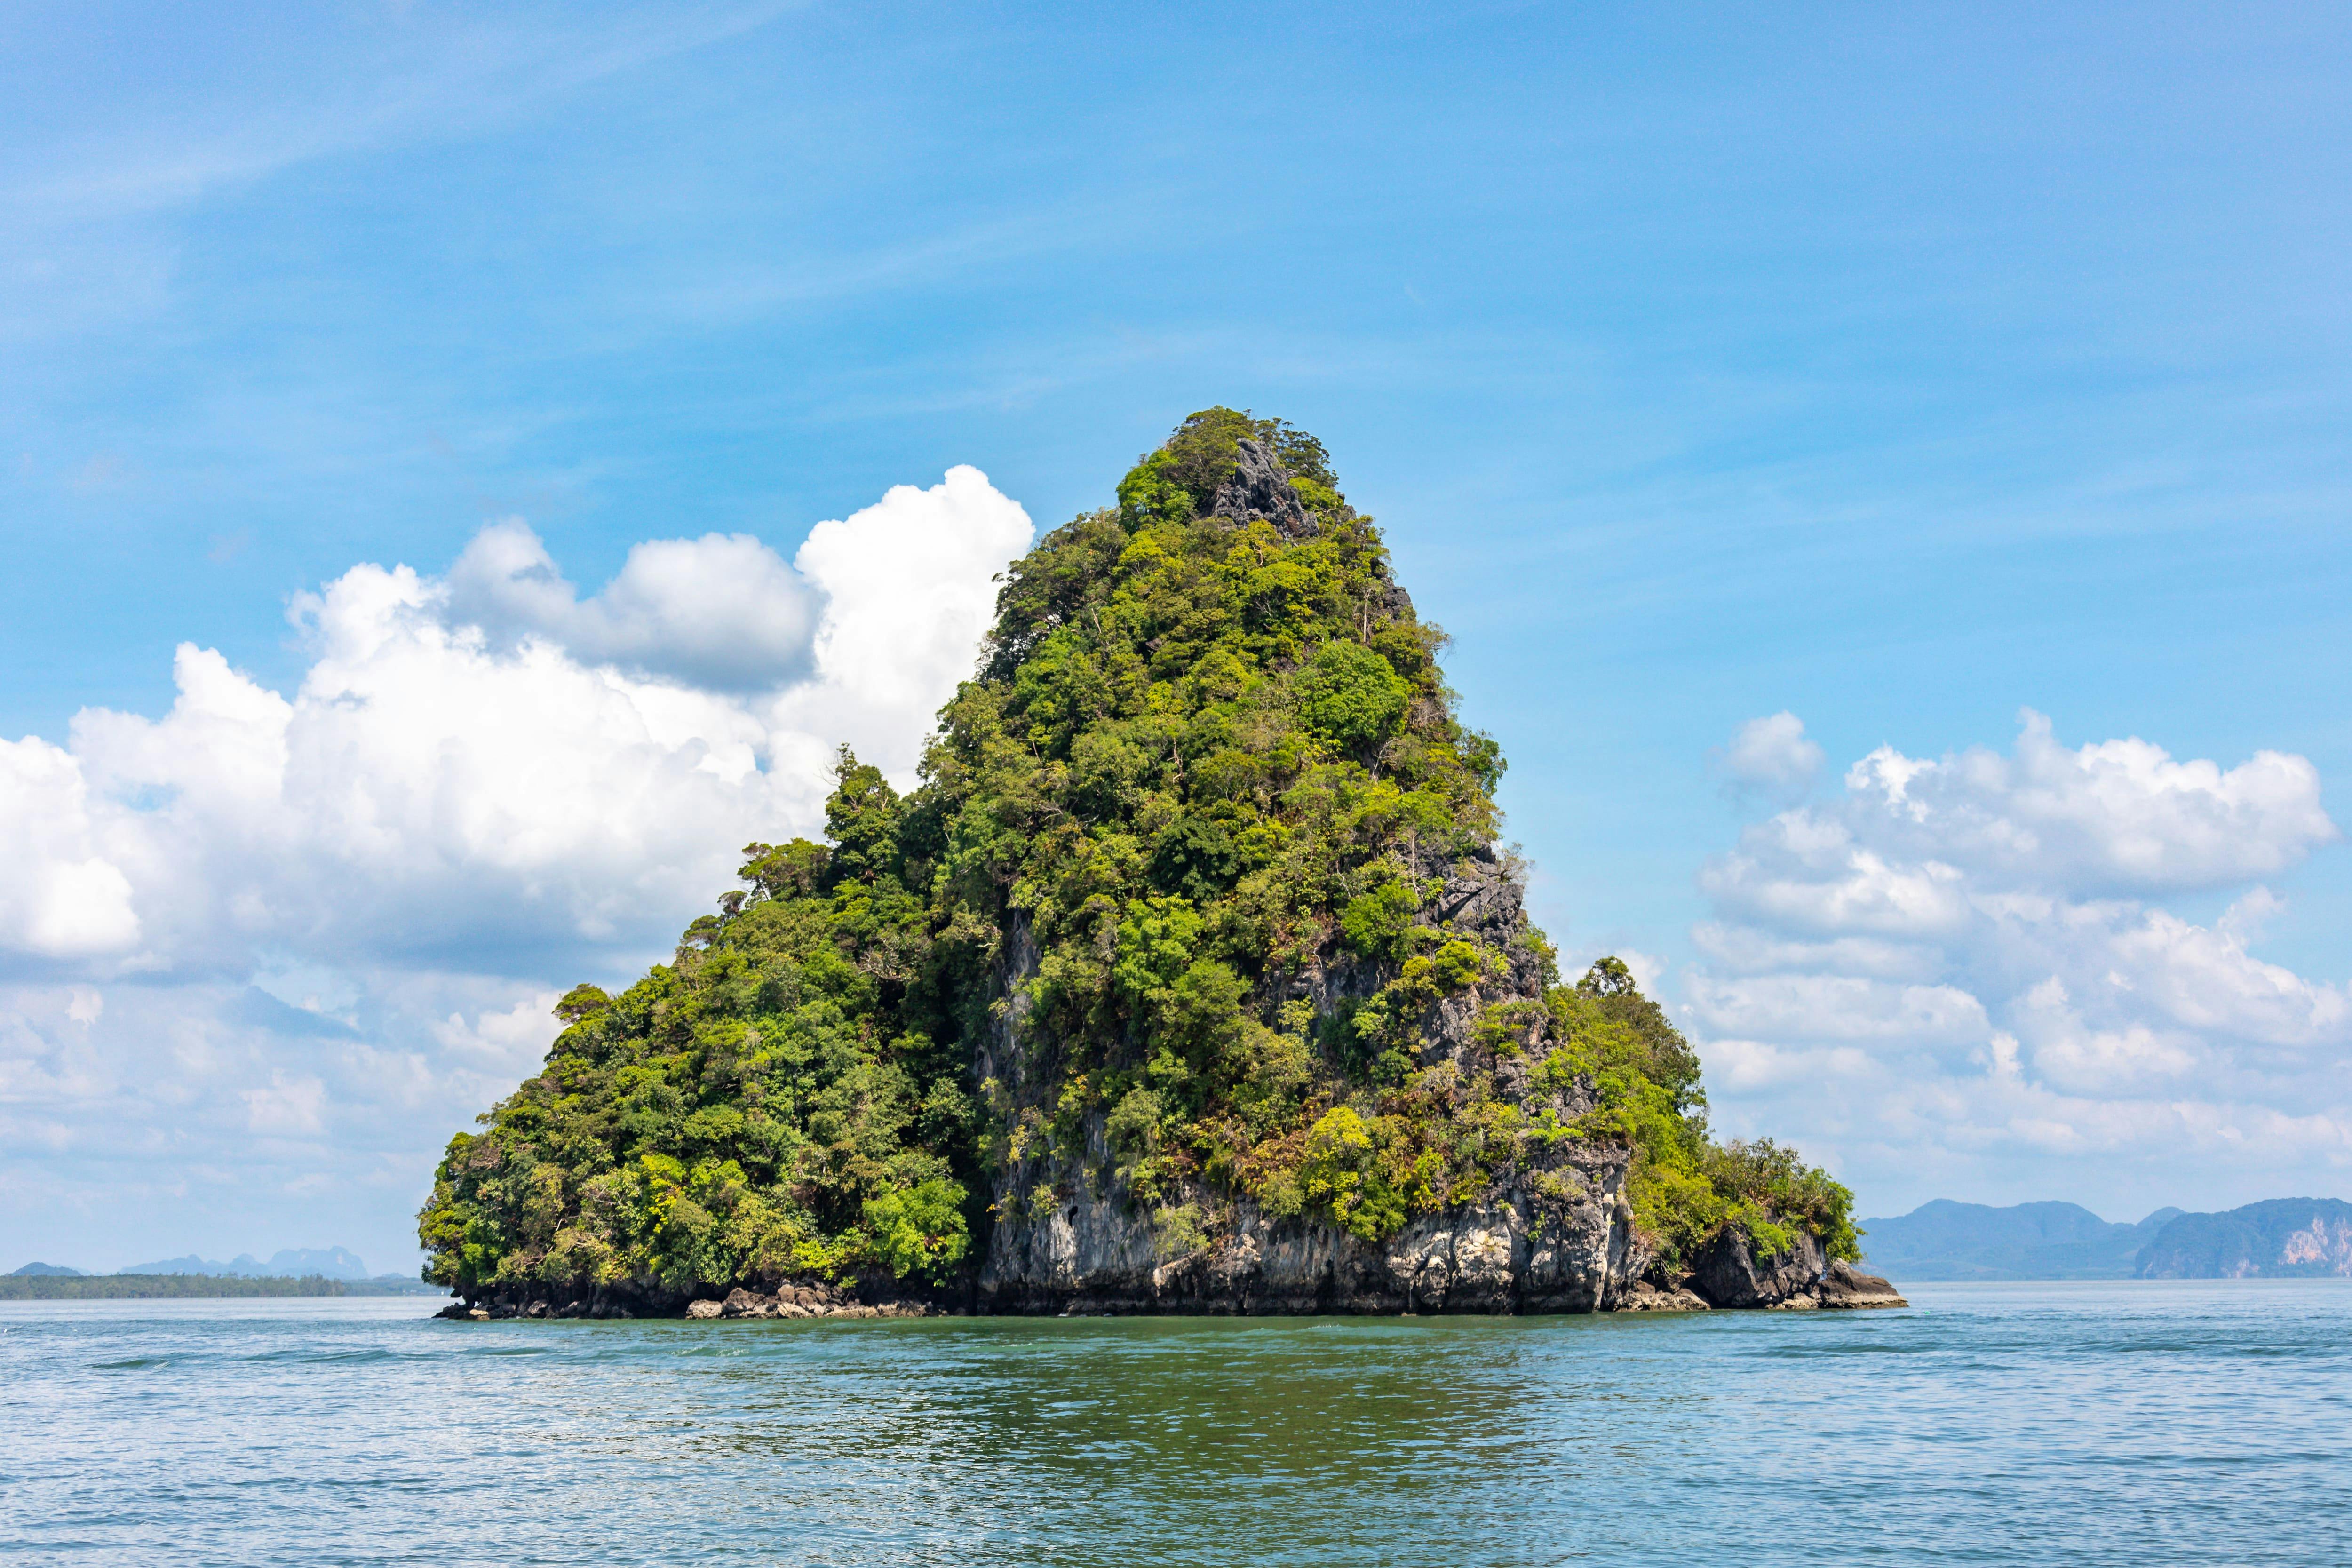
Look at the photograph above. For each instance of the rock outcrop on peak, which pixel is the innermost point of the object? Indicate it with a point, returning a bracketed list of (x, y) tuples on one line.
[(1260, 491)]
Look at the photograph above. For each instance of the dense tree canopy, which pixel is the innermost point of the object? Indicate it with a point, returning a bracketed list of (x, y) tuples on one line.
[(1202, 755)]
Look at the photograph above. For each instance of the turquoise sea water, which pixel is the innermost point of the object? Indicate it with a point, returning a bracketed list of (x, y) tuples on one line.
[(2109, 1423)]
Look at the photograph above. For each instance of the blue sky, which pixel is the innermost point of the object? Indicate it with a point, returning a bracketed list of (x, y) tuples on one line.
[(1897, 368)]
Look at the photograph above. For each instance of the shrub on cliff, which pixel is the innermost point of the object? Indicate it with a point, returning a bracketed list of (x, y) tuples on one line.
[(1161, 916)]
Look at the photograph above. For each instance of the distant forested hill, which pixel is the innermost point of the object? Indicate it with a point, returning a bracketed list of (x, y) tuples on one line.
[(2285, 1238), (151, 1287), (1948, 1240)]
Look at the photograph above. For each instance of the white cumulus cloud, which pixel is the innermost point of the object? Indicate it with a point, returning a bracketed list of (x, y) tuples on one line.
[(909, 587), (326, 923), (1963, 956), (1774, 755), (721, 612), (61, 897), (2118, 815)]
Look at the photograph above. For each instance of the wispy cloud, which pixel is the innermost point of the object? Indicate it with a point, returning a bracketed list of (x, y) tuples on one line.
[(432, 80)]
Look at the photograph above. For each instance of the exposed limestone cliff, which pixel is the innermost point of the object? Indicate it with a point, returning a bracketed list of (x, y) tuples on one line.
[(1556, 1235)]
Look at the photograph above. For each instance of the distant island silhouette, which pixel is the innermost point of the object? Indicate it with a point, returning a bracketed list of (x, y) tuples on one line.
[(2277, 1239), (291, 1272)]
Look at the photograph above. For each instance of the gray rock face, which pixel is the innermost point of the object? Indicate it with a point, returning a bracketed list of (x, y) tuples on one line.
[(1523, 1251), (1846, 1285), (1728, 1274), (1553, 1233), (1260, 489), (1646, 1297)]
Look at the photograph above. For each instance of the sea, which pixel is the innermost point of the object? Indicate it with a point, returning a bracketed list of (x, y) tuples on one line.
[(2123, 1422)]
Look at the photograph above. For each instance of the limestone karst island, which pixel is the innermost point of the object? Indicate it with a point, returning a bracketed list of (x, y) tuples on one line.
[(1191, 979)]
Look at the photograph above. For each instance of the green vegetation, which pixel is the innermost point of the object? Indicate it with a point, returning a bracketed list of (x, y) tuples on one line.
[(1685, 1186), (1160, 922)]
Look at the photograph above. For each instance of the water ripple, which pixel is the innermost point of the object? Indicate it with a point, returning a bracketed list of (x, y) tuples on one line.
[(2085, 1425)]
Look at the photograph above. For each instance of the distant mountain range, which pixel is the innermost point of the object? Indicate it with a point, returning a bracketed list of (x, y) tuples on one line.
[(1948, 1240), (291, 1263), (2283, 1237)]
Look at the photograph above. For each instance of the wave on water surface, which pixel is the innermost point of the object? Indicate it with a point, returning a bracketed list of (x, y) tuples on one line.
[(2010, 1423)]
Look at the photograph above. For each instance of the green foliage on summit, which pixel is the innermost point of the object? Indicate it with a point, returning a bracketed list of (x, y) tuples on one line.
[(1204, 758)]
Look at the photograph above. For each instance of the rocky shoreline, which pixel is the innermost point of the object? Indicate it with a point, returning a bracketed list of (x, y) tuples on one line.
[(1477, 1262)]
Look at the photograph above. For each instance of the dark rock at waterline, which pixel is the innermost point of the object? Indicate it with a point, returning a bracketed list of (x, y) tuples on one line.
[(1645, 1296), (1729, 1273), (872, 1298), (1571, 1247), (1843, 1285)]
